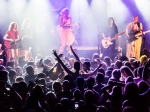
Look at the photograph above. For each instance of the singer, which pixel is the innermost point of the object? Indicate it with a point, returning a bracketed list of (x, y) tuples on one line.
[(134, 47), (66, 35)]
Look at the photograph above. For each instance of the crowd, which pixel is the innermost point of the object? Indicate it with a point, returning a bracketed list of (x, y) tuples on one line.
[(75, 84)]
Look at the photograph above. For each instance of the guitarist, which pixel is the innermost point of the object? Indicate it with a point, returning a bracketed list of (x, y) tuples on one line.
[(112, 30), (134, 47), (10, 39), (26, 38)]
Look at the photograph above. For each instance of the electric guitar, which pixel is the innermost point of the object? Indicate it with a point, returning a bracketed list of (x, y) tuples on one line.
[(107, 41), (134, 35)]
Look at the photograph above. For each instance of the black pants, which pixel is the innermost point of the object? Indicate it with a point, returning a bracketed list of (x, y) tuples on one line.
[(110, 51)]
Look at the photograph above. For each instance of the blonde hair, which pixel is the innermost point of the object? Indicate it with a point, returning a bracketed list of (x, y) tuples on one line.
[(143, 59), (11, 26)]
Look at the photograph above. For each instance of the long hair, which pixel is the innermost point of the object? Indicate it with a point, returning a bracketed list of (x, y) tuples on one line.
[(24, 24), (11, 26), (127, 70), (109, 19)]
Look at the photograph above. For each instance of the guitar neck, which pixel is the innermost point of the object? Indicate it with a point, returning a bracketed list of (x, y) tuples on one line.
[(147, 31)]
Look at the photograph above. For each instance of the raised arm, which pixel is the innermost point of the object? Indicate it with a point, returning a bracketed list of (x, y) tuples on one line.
[(62, 64), (75, 55), (94, 72)]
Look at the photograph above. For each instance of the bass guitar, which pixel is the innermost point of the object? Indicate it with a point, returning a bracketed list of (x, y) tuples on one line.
[(107, 41), (134, 35)]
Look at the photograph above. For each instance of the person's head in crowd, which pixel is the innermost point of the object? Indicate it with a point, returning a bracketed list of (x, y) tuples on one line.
[(116, 92), (131, 91), (71, 81), (112, 65), (72, 61), (41, 75), (143, 59), (131, 60), (126, 103), (59, 108), (48, 62), (108, 73), (101, 109), (51, 100), (8, 68), (99, 78), (87, 59), (140, 71), (143, 86), (80, 82), (77, 66), (90, 82), (57, 87), (129, 79), (107, 60), (36, 93), (86, 66), (88, 97), (3, 87), (4, 76), (123, 58), (69, 78), (22, 86), (128, 109), (118, 64), (19, 79), (116, 74), (135, 64), (66, 103), (15, 86), (110, 68), (128, 64), (42, 81), (21, 61), (66, 85), (101, 70), (2, 67), (77, 95), (126, 72), (31, 63), (30, 70), (11, 64), (12, 76), (82, 59), (94, 65), (19, 71), (95, 56)]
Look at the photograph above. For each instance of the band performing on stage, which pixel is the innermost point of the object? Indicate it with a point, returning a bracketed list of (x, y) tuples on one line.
[(20, 43)]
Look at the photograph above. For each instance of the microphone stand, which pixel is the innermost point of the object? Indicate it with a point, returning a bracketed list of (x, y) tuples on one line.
[(98, 41)]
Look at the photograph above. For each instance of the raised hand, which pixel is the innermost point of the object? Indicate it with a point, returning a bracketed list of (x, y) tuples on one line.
[(55, 53)]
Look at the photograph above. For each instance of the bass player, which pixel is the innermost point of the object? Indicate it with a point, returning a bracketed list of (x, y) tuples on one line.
[(134, 46)]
